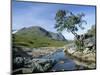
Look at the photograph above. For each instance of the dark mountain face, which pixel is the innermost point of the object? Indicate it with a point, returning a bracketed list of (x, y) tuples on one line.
[(39, 31)]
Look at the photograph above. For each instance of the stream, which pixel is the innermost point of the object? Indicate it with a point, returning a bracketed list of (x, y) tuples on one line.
[(64, 63)]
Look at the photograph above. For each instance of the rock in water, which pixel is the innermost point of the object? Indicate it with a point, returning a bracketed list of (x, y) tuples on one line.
[(61, 62)]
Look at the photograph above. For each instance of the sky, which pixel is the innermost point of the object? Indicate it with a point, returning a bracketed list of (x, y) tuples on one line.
[(26, 14)]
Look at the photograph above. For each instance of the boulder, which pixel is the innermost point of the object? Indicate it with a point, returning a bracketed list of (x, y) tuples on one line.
[(40, 65), (71, 48), (36, 65), (87, 50), (61, 62), (90, 42), (27, 70), (19, 62)]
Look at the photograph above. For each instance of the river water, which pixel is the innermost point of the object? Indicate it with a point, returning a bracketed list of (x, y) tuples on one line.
[(64, 63)]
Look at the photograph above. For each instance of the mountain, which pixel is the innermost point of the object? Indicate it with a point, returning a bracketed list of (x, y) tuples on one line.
[(36, 30), (36, 36)]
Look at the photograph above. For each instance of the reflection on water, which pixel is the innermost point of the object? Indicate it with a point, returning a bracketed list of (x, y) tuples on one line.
[(63, 62)]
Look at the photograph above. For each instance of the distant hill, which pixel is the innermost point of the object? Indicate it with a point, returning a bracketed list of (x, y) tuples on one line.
[(36, 36)]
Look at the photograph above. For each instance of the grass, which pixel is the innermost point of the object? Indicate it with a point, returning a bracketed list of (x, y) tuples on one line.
[(36, 41)]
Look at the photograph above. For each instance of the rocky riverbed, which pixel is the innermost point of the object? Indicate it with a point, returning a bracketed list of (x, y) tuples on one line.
[(39, 52), (28, 60), (46, 59)]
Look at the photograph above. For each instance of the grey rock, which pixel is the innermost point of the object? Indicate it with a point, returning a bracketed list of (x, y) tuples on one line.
[(89, 42), (18, 60), (27, 70), (36, 65), (71, 48), (40, 65), (57, 36)]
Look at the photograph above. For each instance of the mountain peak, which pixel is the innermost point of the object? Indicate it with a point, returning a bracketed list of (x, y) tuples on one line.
[(39, 31)]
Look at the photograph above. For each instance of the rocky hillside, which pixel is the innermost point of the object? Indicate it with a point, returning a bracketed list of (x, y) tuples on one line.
[(37, 37)]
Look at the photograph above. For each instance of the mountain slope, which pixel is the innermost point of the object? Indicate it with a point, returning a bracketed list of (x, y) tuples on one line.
[(37, 37)]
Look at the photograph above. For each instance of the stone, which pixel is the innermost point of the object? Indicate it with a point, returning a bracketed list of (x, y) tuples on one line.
[(53, 70), (27, 70), (47, 66), (40, 65), (86, 50), (61, 62), (18, 60), (71, 48), (63, 70), (89, 42)]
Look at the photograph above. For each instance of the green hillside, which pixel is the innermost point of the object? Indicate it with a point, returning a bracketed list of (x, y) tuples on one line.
[(35, 37)]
